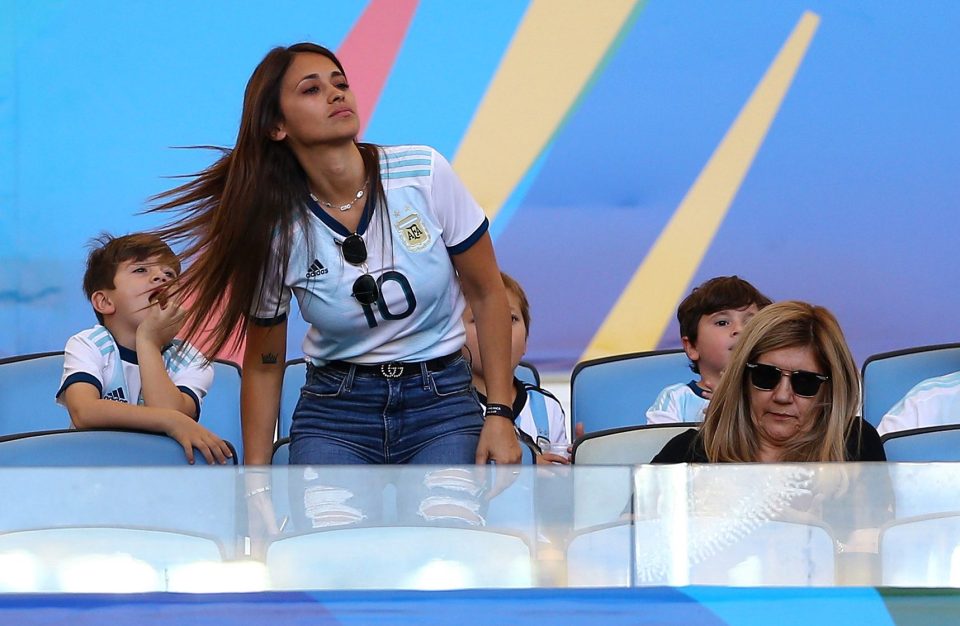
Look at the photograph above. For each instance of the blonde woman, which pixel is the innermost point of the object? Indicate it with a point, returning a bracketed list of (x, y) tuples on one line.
[(789, 394)]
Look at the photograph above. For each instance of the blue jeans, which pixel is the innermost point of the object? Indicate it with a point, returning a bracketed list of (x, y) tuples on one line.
[(350, 418), (427, 418)]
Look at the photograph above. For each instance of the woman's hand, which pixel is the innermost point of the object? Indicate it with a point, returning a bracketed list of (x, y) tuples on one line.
[(498, 442)]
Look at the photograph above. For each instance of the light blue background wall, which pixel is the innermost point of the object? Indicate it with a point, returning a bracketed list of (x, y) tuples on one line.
[(851, 202)]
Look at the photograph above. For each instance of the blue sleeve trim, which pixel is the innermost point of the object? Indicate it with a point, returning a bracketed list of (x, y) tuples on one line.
[(193, 396), (269, 321), (80, 377), (467, 243)]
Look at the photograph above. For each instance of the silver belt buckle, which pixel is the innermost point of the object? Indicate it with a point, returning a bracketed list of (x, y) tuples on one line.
[(391, 370)]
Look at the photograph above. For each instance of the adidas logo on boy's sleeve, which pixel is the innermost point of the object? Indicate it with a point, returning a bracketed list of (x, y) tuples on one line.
[(116, 395), (316, 269)]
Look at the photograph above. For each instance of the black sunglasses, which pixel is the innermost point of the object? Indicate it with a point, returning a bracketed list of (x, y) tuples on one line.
[(767, 377), (354, 252)]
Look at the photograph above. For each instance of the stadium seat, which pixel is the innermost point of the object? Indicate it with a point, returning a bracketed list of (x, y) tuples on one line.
[(616, 391), (921, 551), (281, 452), (923, 445), (733, 551), (93, 448), (28, 385), (632, 445), (601, 556), (887, 377), (528, 373), (125, 560), (220, 410), (400, 557)]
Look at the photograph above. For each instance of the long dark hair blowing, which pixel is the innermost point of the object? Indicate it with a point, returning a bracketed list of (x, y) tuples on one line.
[(232, 214)]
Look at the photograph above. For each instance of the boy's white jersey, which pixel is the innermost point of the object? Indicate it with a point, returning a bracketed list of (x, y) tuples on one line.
[(683, 402), (556, 420), (933, 402), (430, 216), (92, 356)]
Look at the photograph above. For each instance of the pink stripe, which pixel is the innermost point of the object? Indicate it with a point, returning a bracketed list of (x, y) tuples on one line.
[(370, 50)]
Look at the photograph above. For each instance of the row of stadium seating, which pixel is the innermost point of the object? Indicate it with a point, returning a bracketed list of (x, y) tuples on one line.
[(28, 384), (145, 528), (609, 393)]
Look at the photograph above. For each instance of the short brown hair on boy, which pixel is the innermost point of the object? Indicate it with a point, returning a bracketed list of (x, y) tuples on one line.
[(108, 252), (717, 294), (514, 287)]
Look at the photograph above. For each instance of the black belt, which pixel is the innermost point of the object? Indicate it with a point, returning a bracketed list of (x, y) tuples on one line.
[(396, 369)]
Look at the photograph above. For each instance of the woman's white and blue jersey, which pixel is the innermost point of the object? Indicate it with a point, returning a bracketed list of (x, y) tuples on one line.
[(429, 216)]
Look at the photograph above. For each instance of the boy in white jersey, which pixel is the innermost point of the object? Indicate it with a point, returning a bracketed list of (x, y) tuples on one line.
[(540, 418), (129, 371), (933, 402), (711, 320)]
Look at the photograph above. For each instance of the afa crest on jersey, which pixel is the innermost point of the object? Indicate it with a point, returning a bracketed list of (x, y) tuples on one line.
[(412, 232)]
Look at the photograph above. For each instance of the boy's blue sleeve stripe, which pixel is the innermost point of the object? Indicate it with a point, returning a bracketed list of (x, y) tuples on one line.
[(80, 377), (193, 396), (467, 243)]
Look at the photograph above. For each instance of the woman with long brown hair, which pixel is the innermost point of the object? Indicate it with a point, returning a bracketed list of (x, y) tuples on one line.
[(376, 244)]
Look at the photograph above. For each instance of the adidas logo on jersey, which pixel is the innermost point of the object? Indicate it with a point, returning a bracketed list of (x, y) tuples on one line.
[(116, 395), (316, 269)]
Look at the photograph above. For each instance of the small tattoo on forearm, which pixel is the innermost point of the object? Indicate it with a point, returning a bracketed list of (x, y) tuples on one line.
[(269, 358)]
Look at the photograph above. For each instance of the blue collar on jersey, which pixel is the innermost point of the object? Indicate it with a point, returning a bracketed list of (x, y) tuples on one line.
[(696, 389), (337, 227)]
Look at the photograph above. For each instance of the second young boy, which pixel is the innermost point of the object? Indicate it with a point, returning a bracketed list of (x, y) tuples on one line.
[(711, 320)]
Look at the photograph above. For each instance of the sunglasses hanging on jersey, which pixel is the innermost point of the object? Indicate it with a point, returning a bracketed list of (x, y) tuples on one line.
[(354, 252)]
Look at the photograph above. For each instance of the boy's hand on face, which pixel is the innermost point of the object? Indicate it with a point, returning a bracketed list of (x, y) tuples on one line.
[(163, 322), (190, 435)]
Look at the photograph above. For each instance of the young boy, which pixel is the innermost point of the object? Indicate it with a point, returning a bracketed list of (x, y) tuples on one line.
[(933, 402), (540, 418), (711, 320), (129, 371)]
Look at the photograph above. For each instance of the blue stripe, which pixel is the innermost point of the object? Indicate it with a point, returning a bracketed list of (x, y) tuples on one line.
[(410, 174), (397, 155), (80, 377), (467, 243), (408, 162)]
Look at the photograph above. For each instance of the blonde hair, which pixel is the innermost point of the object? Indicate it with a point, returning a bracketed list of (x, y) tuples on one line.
[(729, 432)]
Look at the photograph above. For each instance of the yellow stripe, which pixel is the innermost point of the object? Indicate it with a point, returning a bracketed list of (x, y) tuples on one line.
[(552, 56), (644, 309)]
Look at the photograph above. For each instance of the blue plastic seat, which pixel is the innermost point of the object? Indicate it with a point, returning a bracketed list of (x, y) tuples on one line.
[(220, 410), (614, 392), (633, 445), (93, 448), (28, 385), (528, 373), (923, 445), (920, 551), (888, 376)]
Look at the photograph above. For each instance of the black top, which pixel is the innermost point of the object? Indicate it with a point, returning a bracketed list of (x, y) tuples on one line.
[(863, 444)]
